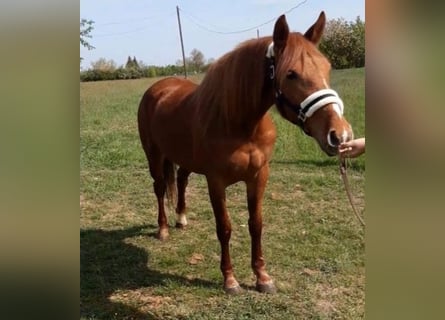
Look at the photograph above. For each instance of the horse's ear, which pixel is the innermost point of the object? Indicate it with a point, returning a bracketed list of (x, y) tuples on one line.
[(280, 33), (315, 32)]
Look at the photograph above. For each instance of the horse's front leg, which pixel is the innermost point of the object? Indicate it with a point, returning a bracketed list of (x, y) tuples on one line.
[(255, 192), (217, 195)]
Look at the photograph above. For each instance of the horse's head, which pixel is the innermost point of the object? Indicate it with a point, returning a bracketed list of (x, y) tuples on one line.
[(301, 75)]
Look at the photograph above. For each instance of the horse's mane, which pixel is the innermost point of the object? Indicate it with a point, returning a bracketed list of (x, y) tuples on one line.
[(232, 87)]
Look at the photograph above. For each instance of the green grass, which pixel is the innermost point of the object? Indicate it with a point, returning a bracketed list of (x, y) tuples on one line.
[(313, 244)]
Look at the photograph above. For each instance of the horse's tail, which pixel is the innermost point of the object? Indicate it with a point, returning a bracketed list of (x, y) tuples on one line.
[(170, 181)]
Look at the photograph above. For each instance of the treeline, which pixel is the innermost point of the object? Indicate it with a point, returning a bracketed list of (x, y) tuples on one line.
[(104, 69), (122, 73)]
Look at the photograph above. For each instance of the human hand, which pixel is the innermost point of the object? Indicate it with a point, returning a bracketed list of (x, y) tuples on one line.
[(352, 148)]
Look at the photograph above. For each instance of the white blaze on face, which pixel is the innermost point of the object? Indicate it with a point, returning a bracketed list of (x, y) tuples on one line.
[(335, 106), (337, 110), (344, 136)]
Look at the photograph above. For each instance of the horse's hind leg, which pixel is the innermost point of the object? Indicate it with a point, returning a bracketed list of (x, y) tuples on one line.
[(182, 181), (156, 165)]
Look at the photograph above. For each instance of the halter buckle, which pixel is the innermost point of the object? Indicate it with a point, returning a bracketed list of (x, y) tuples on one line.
[(302, 116), (272, 71)]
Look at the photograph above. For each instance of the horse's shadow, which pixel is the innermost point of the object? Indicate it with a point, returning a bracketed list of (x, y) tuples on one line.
[(108, 265), (330, 162)]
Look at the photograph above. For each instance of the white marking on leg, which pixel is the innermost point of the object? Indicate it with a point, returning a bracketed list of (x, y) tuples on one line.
[(181, 219)]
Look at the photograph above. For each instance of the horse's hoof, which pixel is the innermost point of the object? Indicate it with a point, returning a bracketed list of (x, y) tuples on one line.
[(266, 287), (180, 225), (181, 220), (233, 290), (162, 234)]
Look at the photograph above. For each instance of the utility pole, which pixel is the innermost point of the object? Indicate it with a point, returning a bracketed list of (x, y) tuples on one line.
[(182, 42), (257, 33)]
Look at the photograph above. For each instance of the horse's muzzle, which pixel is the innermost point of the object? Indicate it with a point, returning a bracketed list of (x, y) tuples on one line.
[(335, 138)]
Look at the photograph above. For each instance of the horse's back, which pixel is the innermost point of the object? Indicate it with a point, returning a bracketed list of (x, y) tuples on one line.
[(165, 88), (166, 93), (165, 115)]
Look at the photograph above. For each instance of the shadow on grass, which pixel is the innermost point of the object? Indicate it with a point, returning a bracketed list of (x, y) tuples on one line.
[(309, 162), (108, 264), (331, 162)]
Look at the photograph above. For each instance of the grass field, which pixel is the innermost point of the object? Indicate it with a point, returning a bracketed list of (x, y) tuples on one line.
[(313, 244)]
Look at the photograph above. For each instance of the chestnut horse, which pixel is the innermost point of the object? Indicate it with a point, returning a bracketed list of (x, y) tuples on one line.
[(222, 129)]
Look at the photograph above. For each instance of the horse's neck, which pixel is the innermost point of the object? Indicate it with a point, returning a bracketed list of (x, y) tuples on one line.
[(262, 99), (251, 121), (239, 88)]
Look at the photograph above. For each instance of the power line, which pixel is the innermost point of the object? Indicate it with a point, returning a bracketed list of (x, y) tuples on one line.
[(194, 20), (125, 21), (120, 33), (130, 20), (191, 17), (154, 21)]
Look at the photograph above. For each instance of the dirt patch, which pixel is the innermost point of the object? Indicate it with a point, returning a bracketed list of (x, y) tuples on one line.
[(326, 299), (144, 300)]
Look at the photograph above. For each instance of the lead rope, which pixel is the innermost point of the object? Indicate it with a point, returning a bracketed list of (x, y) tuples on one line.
[(348, 191)]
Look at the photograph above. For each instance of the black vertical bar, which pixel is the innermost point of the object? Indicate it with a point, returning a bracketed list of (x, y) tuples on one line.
[(182, 42)]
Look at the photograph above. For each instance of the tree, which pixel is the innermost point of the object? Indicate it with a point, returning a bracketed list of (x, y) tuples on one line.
[(135, 63), (86, 26), (129, 63), (344, 43), (196, 60), (104, 65), (207, 65), (358, 34), (151, 72), (132, 63)]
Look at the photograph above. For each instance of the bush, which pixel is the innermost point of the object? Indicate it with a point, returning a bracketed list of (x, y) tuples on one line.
[(344, 43), (122, 73), (96, 75)]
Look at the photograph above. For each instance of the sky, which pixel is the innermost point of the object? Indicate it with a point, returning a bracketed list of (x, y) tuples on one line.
[(148, 29)]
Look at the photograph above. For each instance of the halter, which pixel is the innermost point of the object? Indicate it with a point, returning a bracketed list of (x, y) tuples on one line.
[(312, 103)]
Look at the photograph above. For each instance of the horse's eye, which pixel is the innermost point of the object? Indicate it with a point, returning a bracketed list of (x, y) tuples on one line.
[(292, 75)]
